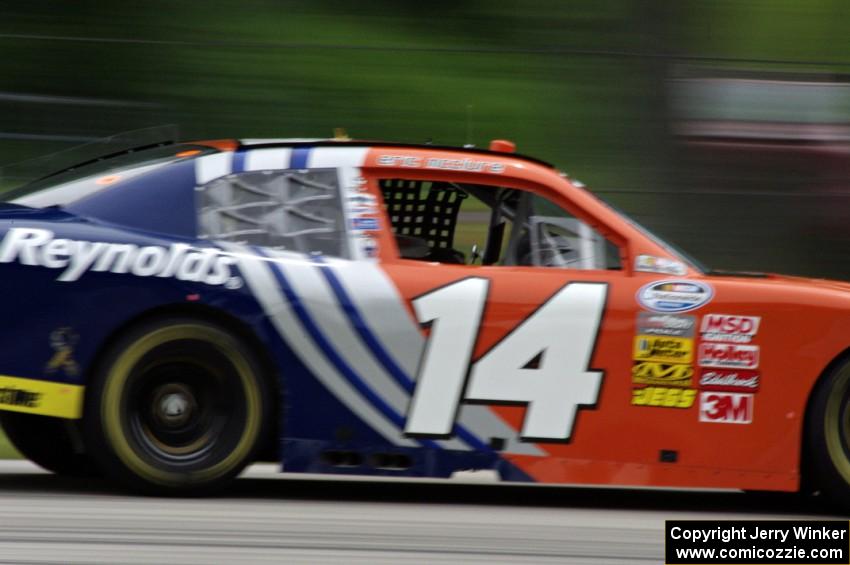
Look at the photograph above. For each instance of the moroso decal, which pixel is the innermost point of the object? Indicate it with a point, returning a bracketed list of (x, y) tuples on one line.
[(663, 349), (31, 246), (664, 397), (725, 327), (674, 295), (46, 398), (651, 373), (729, 355), (665, 324), (726, 407), (736, 380)]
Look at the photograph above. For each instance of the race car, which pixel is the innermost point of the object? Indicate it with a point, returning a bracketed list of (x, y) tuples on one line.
[(178, 311)]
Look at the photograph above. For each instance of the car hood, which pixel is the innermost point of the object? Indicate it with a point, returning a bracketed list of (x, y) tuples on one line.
[(825, 284)]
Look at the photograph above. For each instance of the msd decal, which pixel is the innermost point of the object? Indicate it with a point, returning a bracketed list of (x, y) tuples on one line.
[(724, 327), (729, 355), (726, 407), (37, 247)]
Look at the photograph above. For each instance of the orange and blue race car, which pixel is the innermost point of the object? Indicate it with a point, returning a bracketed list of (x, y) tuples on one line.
[(178, 311)]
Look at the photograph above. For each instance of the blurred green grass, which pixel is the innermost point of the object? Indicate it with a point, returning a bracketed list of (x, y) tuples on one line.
[(6, 449)]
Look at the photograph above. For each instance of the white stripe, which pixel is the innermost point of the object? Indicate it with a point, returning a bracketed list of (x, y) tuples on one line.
[(382, 308), (267, 159), (264, 287), (318, 299), (210, 167), (321, 157), (281, 140)]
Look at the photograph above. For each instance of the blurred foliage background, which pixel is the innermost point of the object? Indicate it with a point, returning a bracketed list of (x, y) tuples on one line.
[(590, 85)]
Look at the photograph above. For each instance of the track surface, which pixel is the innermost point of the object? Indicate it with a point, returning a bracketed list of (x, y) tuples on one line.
[(268, 518)]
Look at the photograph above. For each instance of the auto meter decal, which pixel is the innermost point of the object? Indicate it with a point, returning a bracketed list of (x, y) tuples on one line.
[(674, 295)]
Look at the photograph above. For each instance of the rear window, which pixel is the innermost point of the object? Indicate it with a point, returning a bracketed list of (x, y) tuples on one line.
[(81, 181), (296, 210)]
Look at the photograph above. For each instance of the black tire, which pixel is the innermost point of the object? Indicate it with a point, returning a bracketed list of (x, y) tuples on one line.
[(828, 435), (178, 406), (54, 444)]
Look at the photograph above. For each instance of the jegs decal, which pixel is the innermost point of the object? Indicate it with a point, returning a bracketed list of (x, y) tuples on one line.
[(561, 335), (664, 397)]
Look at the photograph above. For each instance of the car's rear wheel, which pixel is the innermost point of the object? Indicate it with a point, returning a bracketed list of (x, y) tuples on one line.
[(54, 444), (179, 406), (828, 429)]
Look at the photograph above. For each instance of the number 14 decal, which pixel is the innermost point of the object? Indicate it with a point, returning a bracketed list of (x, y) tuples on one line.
[(560, 336)]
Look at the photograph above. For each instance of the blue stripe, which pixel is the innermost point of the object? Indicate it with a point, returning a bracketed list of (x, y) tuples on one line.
[(398, 374), (239, 161), (331, 353), (298, 159)]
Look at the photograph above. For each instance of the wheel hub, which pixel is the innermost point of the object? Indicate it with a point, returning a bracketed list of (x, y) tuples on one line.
[(173, 405)]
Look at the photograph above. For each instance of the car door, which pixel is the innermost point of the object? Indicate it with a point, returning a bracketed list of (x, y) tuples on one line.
[(542, 335)]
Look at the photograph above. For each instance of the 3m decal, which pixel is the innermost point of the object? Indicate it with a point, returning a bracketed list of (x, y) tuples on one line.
[(543, 363), (663, 349), (674, 295), (665, 324), (740, 380), (664, 397), (726, 407), (729, 355), (652, 264), (651, 373), (724, 327), (31, 246)]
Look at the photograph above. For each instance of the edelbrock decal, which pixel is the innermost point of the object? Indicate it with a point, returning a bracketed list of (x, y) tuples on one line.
[(674, 295), (38, 247)]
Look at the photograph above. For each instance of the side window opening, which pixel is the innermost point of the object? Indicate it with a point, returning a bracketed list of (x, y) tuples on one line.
[(294, 210), (471, 224)]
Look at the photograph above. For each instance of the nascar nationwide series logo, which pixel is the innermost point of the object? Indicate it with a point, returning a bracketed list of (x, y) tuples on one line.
[(38, 247), (674, 295)]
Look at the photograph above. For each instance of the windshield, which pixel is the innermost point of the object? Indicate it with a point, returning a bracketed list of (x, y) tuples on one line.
[(669, 247), (75, 183)]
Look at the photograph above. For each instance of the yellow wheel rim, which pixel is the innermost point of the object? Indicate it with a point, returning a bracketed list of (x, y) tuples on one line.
[(115, 389), (837, 424)]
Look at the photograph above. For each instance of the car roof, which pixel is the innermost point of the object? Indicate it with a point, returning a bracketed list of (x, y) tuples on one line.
[(330, 142)]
